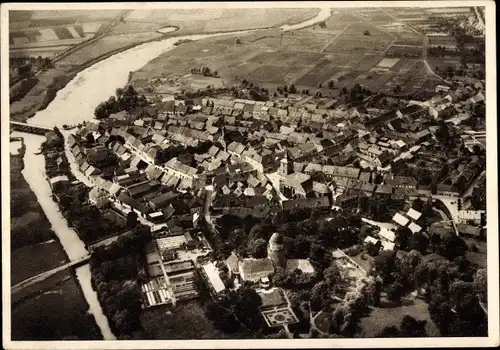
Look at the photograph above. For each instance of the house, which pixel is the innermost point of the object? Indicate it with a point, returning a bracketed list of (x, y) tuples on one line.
[(384, 190), (321, 202), (422, 135), (470, 230), (58, 181), (212, 278), (254, 269), (386, 234), (445, 190), (402, 182), (400, 219), (296, 184), (414, 227), (98, 197), (473, 217), (232, 263), (413, 214)]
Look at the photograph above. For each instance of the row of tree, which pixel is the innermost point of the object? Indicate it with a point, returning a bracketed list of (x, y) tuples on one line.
[(117, 272)]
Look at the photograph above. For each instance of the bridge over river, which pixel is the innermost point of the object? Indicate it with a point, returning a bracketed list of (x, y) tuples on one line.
[(29, 128)]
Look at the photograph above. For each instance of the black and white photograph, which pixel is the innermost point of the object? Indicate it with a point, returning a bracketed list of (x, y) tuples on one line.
[(249, 175)]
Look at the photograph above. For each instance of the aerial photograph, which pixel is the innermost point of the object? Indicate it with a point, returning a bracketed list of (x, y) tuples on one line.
[(218, 173)]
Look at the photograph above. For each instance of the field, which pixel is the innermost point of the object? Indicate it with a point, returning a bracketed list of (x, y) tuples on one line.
[(105, 45), (380, 318), (349, 50), (30, 261), (186, 321), (59, 312), (33, 244), (47, 33), (214, 20)]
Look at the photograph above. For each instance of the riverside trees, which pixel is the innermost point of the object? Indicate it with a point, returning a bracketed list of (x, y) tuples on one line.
[(125, 99)]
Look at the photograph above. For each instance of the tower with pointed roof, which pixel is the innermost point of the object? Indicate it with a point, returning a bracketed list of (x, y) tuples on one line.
[(276, 251), (284, 166)]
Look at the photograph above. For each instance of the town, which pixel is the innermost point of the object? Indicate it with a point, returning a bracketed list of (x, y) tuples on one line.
[(283, 213), (212, 177)]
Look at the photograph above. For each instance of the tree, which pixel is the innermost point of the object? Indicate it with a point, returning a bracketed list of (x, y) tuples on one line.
[(322, 24), (132, 219), (119, 93), (366, 32), (90, 138), (403, 235), (384, 264), (257, 248), (331, 84), (395, 291), (480, 283), (452, 246), (411, 327), (388, 332), (332, 276), (319, 296)]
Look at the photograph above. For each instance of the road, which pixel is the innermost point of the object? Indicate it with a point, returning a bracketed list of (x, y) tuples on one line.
[(334, 38), (424, 58), (109, 240)]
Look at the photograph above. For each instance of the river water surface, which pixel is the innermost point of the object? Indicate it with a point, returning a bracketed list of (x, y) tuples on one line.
[(75, 104)]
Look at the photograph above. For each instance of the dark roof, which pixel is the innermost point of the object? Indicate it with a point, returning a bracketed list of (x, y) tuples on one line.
[(306, 203)]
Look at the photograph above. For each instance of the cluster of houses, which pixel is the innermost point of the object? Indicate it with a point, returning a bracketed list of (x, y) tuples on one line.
[(175, 161)]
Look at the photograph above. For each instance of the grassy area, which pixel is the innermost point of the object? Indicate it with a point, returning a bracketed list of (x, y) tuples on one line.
[(186, 321), (35, 99), (478, 257), (57, 313), (29, 225), (380, 318), (32, 260)]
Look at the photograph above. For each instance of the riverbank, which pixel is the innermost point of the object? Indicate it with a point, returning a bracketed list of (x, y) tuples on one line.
[(36, 312)]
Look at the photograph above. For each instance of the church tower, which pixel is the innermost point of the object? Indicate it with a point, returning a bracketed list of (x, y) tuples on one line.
[(284, 166), (276, 251)]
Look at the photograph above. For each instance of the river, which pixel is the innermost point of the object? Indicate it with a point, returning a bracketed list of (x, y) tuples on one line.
[(75, 104), (33, 172)]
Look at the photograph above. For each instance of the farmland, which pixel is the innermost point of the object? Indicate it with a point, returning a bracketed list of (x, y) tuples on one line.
[(348, 49), (216, 20), (47, 33)]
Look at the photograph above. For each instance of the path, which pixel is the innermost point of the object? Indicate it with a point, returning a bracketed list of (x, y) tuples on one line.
[(334, 38), (109, 240), (400, 21)]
